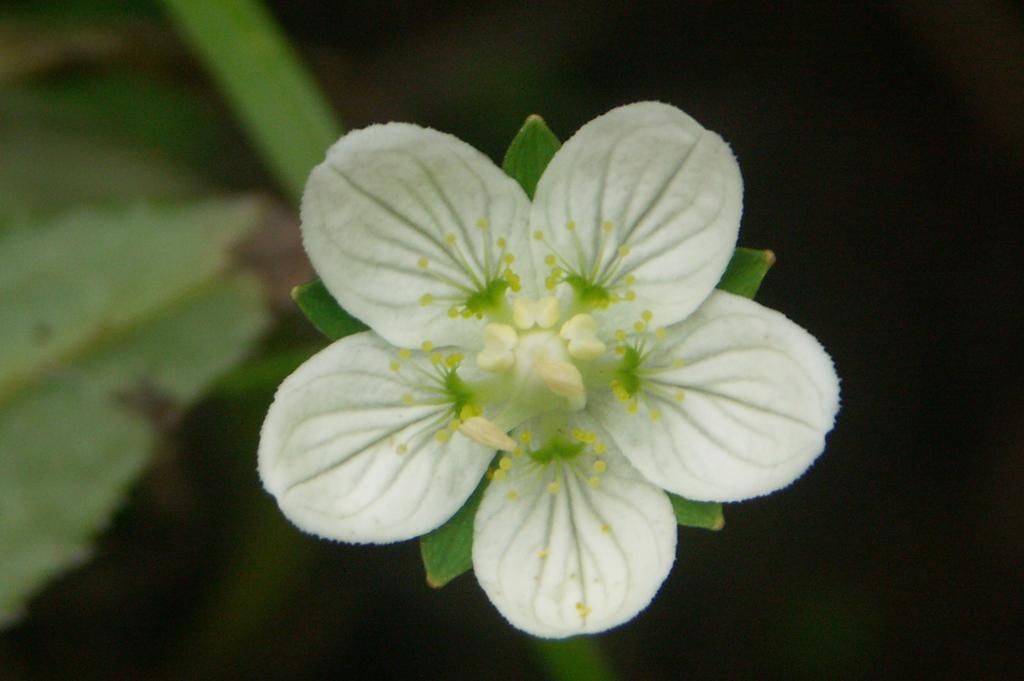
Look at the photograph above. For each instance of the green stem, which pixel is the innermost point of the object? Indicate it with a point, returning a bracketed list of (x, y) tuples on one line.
[(275, 98), (573, 659)]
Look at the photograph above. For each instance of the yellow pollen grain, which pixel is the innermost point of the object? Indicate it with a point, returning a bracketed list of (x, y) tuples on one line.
[(600, 447), (623, 251), (469, 411), (639, 326), (509, 258), (659, 333), (542, 554), (553, 487), (620, 349), (518, 451), (402, 449), (499, 475), (483, 223), (679, 395), (538, 235), (407, 399), (450, 239), (423, 263), (395, 366), (605, 528), (655, 415), (620, 335), (571, 226), (629, 280), (607, 227), (426, 299), (647, 315), (583, 610), (550, 260), (550, 283), (631, 408), (453, 312), (505, 463), (600, 466), (405, 353), (436, 358), (466, 313), (525, 437), (594, 482), (427, 346), (630, 295), (502, 243), (443, 435)]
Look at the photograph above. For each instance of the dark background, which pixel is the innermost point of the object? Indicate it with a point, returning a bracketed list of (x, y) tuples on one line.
[(882, 151)]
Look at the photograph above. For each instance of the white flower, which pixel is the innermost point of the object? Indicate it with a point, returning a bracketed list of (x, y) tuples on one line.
[(580, 336)]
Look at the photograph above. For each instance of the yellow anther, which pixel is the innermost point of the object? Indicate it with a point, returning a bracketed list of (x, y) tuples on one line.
[(600, 447), (505, 463), (453, 312), (647, 315), (518, 451), (571, 226), (422, 263), (469, 411), (466, 313), (600, 466), (605, 528), (620, 335), (454, 360), (550, 260), (631, 407), (426, 299), (525, 437), (454, 424), (660, 333), (629, 280), (619, 391), (511, 495), (680, 395), (550, 283), (639, 326), (405, 353), (594, 482), (395, 366), (630, 295), (502, 244), (499, 475), (538, 235), (407, 399), (450, 239), (542, 554), (427, 346), (509, 258), (483, 223), (678, 363), (623, 251), (583, 610), (402, 449), (607, 227), (655, 414), (553, 487), (436, 358), (443, 435)]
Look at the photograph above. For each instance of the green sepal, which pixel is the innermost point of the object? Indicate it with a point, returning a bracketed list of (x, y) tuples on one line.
[(323, 311), (530, 152), (448, 551), (745, 271), (704, 514)]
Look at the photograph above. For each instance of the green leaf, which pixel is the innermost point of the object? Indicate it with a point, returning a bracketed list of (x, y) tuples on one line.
[(530, 152), (323, 311), (745, 271), (448, 551), (113, 321), (705, 514), (277, 101)]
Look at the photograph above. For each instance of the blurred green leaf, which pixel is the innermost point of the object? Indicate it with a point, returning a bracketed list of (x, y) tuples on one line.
[(530, 152), (745, 271), (704, 514), (276, 100), (324, 312), (448, 551), (113, 320)]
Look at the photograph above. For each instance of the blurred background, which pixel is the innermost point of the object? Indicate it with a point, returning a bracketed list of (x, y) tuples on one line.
[(882, 150)]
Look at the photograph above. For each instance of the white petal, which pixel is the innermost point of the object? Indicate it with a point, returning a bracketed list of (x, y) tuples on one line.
[(580, 560), (377, 217), (759, 394), (348, 459), (672, 193)]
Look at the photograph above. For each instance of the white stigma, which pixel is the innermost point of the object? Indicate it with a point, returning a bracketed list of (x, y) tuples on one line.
[(499, 341), (581, 333), (527, 312)]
